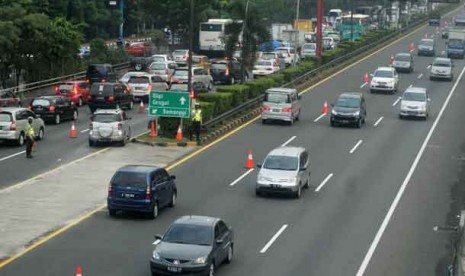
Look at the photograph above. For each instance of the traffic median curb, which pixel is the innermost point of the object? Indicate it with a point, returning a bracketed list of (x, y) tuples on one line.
[(165, 144)]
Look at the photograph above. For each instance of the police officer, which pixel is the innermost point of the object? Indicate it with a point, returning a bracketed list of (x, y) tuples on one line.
[(196, 121), (29, 138)]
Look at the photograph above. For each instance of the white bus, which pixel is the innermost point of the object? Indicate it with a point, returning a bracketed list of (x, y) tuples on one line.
[(211, 34)]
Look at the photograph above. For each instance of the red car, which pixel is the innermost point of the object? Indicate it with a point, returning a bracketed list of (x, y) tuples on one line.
[(8, 98), (76, 91)]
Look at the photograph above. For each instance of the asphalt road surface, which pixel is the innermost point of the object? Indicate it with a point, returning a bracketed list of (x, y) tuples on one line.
[(339, 227)]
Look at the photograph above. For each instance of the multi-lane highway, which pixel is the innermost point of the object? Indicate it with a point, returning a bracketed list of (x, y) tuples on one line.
[(376, 192)]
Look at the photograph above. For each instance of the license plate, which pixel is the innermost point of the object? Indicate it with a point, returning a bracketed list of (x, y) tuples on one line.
[(345, 121), (275, 186), (276, 110), (129, 195), (174, 269)]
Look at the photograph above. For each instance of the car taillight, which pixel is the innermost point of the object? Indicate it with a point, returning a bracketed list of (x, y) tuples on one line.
[(13, 125), (286, 109), (266, 108), (147, 193), (110, 190), (120, 126), (56, 89), (51, 108), (227, 71), (111, 99), (103, 80), (75, 90)]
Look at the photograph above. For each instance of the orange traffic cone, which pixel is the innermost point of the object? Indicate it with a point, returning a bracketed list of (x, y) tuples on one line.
[(179, 133), (72, 132), (437, 29), (366, 78), (325, 107), (141, 107), (412, 47), (425, 35), (78, 271), (391, 60), (153, 130), (249, 163)]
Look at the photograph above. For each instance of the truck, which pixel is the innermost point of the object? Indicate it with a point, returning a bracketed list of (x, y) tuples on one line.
[(303, 25), (277, 30), (456, 43)]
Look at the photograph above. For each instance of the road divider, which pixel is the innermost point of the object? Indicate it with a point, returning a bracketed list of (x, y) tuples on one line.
[(378, 121), (288, 141), (327, 178), (273, 239), (319, 117), (241, 177), (359, 142)]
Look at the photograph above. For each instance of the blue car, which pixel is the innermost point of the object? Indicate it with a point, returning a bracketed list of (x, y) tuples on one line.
[(144, 189)]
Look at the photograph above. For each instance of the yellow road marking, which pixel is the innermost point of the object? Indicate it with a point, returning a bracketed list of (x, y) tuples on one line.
[(177, 163)]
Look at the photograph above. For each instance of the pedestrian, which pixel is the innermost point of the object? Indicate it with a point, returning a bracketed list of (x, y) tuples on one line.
[(29, 137), (196, 121)]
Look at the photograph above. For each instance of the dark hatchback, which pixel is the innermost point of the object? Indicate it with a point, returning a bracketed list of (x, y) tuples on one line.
[(100, 73), (193, 245), (349, 109), (144, 189), (110, 96), (54, 109), (226, 71)]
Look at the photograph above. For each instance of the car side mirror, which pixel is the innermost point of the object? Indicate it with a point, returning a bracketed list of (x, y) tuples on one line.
[(259, 165), (303, 168), (172, 177), (158, 237), (219, 241)]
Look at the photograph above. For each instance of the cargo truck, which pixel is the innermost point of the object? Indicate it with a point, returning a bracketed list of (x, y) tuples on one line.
[(456, 43)]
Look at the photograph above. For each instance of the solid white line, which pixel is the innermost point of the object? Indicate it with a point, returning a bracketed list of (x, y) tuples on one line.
[(85, 130), (410, 86), (396, 102), (273, 239), (428, 67), (13, 155), (241, 177), (319, 117), (402, 188), (363, 85), (378, 121), (420, 76), (356, 146), (324, 182), (288, 141)]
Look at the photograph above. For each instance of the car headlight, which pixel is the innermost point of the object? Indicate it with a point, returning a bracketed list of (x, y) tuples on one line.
[(155, 255), (357, 113), (260, 178), (334, 112), (373, 82), (200, 260)]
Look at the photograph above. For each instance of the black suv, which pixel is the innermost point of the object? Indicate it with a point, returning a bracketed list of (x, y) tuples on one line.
[(100, 73), (226, 71), (350, 108), (54, 109), (110, 95), (434, 19)]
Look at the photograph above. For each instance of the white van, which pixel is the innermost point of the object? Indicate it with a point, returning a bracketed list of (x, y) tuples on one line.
[(281, 104)]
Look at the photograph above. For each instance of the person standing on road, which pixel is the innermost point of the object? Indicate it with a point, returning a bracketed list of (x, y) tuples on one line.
[(29, 137), (196, 121)]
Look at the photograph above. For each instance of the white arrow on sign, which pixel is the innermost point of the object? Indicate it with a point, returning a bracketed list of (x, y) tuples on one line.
[(182, 100)]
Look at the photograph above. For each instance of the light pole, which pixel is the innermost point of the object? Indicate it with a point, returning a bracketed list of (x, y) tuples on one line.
[(319, 28), (297, 11), (244, 41), (191, 46)]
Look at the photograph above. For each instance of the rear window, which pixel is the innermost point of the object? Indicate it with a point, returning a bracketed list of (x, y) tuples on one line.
[(264, 63), (277, 98), (179, 53), (99, 88), (268, 56), (158, 59), (66, 87), (426, 43), (181, 73), (158, 66), (129, 179), (40, 102), (106, 118), (136, 79), (402, 57), (98, 69), (384, 74), (219, 66), (178, 87), (5, 117)]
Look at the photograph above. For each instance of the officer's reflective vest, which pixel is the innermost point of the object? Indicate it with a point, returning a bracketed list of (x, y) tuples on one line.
[(197, 115)]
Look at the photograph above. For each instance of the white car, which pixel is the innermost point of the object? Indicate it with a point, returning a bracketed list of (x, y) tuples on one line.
[(199, 75), (125, 78), (415, 102), (289, 55), (308, 50), (441, 69), (385, 79), (163, 69), (141, 86), (161, 58), (180, 56), (265, 68)]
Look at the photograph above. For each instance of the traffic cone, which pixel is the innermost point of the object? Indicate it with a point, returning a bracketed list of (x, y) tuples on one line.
[(179, 133), (391, 60), (412, 47), (153, 130), (249, 163), (325, 107), (425, 35), (141, 107), (72, 132), (437, 29), (366, 78), (78, 271)]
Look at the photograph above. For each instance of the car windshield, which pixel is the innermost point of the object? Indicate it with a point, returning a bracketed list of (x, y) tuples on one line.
[(179, 53), (284, 51), (309, 47), (442, 63), (158, 59), (402, 58), (106, 118), (268, 56), (157, 66), (455, 43), (277, 98), (264, 63), (65, 87), (189, 234), (40, 102), (349, 102), (5, 117), (284, 163), (414, 97), (384, 74), (129, 179), (220, 66), (182, 73), (140, 80), (426, 43)]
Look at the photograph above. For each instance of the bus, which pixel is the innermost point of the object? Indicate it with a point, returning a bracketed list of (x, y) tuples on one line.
[(361, 23), (211, 37)]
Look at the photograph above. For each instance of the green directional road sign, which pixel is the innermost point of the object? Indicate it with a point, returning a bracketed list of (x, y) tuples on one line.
[(170, 104)]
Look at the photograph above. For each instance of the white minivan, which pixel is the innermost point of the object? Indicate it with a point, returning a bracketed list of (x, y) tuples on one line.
[(281, 104)]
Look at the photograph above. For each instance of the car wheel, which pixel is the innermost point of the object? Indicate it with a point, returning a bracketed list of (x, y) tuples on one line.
[(154, 213), (75, 115), (401, 116), (57, 119), (20, 140), (112, 212), (359, 123), (91, 143), (307, 185), (298, 193), (41, 133), (291, 122), (257, 192), (332, 123), (211, 271), (264, 121), (173, 200), (230, 254), (80, 103), (122, 143)]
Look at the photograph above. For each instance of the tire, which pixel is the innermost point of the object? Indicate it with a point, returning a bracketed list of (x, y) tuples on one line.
[(122, 143), (75, 115), (212, 269), (258, 193), (371, 91), (332, 123), (57, 119), (154, 213), (20, 140), (401, 117), (359, 123), (91, 143), (291, 122), (174, 196), (112, 212), (230, 255), (41, 133), (264, 121), (298, 193), (431, 78), (80, 103)]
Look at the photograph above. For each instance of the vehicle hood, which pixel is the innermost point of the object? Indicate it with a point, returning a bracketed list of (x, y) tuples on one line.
[(178, 251), (276, 175), (412, 105), (425, 47), (385, 80), (441, 70), (346, 110)]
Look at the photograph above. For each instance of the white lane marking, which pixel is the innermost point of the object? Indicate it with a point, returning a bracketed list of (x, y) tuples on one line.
[(13, 155), (363, 85), (241, 177), (273, 239), (356, 146), (319, 117), (288, 141), (324, 182), (412, 50), (410, 86), (85, 130), (402, 188), (428, 67), (378, 121), (443, 52), (396, 102), (420, 76)]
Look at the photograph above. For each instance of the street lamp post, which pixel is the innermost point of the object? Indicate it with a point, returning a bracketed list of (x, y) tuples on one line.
[(244, 41), (191, 46), (319, 28)]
